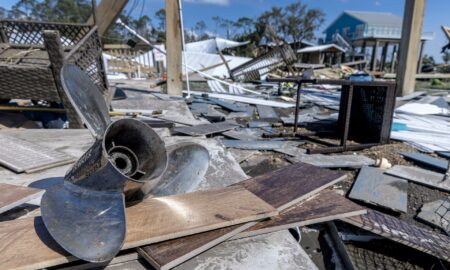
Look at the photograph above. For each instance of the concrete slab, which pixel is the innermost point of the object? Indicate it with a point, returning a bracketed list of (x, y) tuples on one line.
[(374, 187), (420, 176), (264, 252)]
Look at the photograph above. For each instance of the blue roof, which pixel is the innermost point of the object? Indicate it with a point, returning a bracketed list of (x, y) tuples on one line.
[(377, 18)]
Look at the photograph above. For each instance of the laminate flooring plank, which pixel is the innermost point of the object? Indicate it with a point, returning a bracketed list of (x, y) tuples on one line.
[(12, 196), (325, 206), (26, 244), (281, 189), (402, 232)]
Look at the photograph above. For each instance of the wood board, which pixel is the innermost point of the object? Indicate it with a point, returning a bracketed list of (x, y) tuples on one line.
[(281, 189), (402, 232), (374, 187), (420, 176), (12, 196), (151, 221), (325, 206)]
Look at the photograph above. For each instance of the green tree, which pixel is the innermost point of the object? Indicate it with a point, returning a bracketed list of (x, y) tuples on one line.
[(446, 57), (428, 60), (160, 15)]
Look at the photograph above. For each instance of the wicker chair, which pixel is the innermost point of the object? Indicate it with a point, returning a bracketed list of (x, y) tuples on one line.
[(32, 54)]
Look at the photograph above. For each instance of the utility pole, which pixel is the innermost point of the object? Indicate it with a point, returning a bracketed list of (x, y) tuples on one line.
[(174, 47), (410, 46)]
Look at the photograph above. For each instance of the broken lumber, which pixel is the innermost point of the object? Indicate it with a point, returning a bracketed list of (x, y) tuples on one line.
[(281, 188), (402, 232), (12, 196), (153, 220)]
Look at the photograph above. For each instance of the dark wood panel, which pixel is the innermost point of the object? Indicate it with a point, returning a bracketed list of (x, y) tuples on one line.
[(325, 206), (281, 189)]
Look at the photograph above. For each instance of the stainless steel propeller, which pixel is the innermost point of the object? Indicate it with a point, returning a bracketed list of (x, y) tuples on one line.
[(86, 214)]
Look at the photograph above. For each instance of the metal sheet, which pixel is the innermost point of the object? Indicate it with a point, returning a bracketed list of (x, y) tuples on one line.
[(374, 187), (257, 145), (86, 98), (72, 211), (230, 106), (438, 164), (338, 161), (23, 156), (206, 129), (420, 176), (186, 168), (267, 113)]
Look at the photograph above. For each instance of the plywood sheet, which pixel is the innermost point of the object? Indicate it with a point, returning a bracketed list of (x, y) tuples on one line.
[(420, 176), (23, 156), (374, 187), (281, 189), (151, 221), (12, 196), (402, 232)]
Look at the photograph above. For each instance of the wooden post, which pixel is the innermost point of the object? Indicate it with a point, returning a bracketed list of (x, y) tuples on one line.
[(373, 64), (174, 47), (394, 59), (384, 56), (409, 46), (419, 65), (55, 51), (107, 13)]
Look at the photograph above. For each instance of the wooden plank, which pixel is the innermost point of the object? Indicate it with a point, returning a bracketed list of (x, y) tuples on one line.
[(374, 187), (409, 46), (420, 176), (206, 129), (325, 206), (151, 221), (174, 47), (281, 189), (12, 196), (108, 12), (402, 232), (435, 163)]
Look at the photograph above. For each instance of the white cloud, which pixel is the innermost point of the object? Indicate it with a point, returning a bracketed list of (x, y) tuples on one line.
[(212, 2), (377, 3)]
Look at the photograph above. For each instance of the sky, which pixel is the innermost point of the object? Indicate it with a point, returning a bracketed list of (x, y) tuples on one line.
[(437, 12)]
